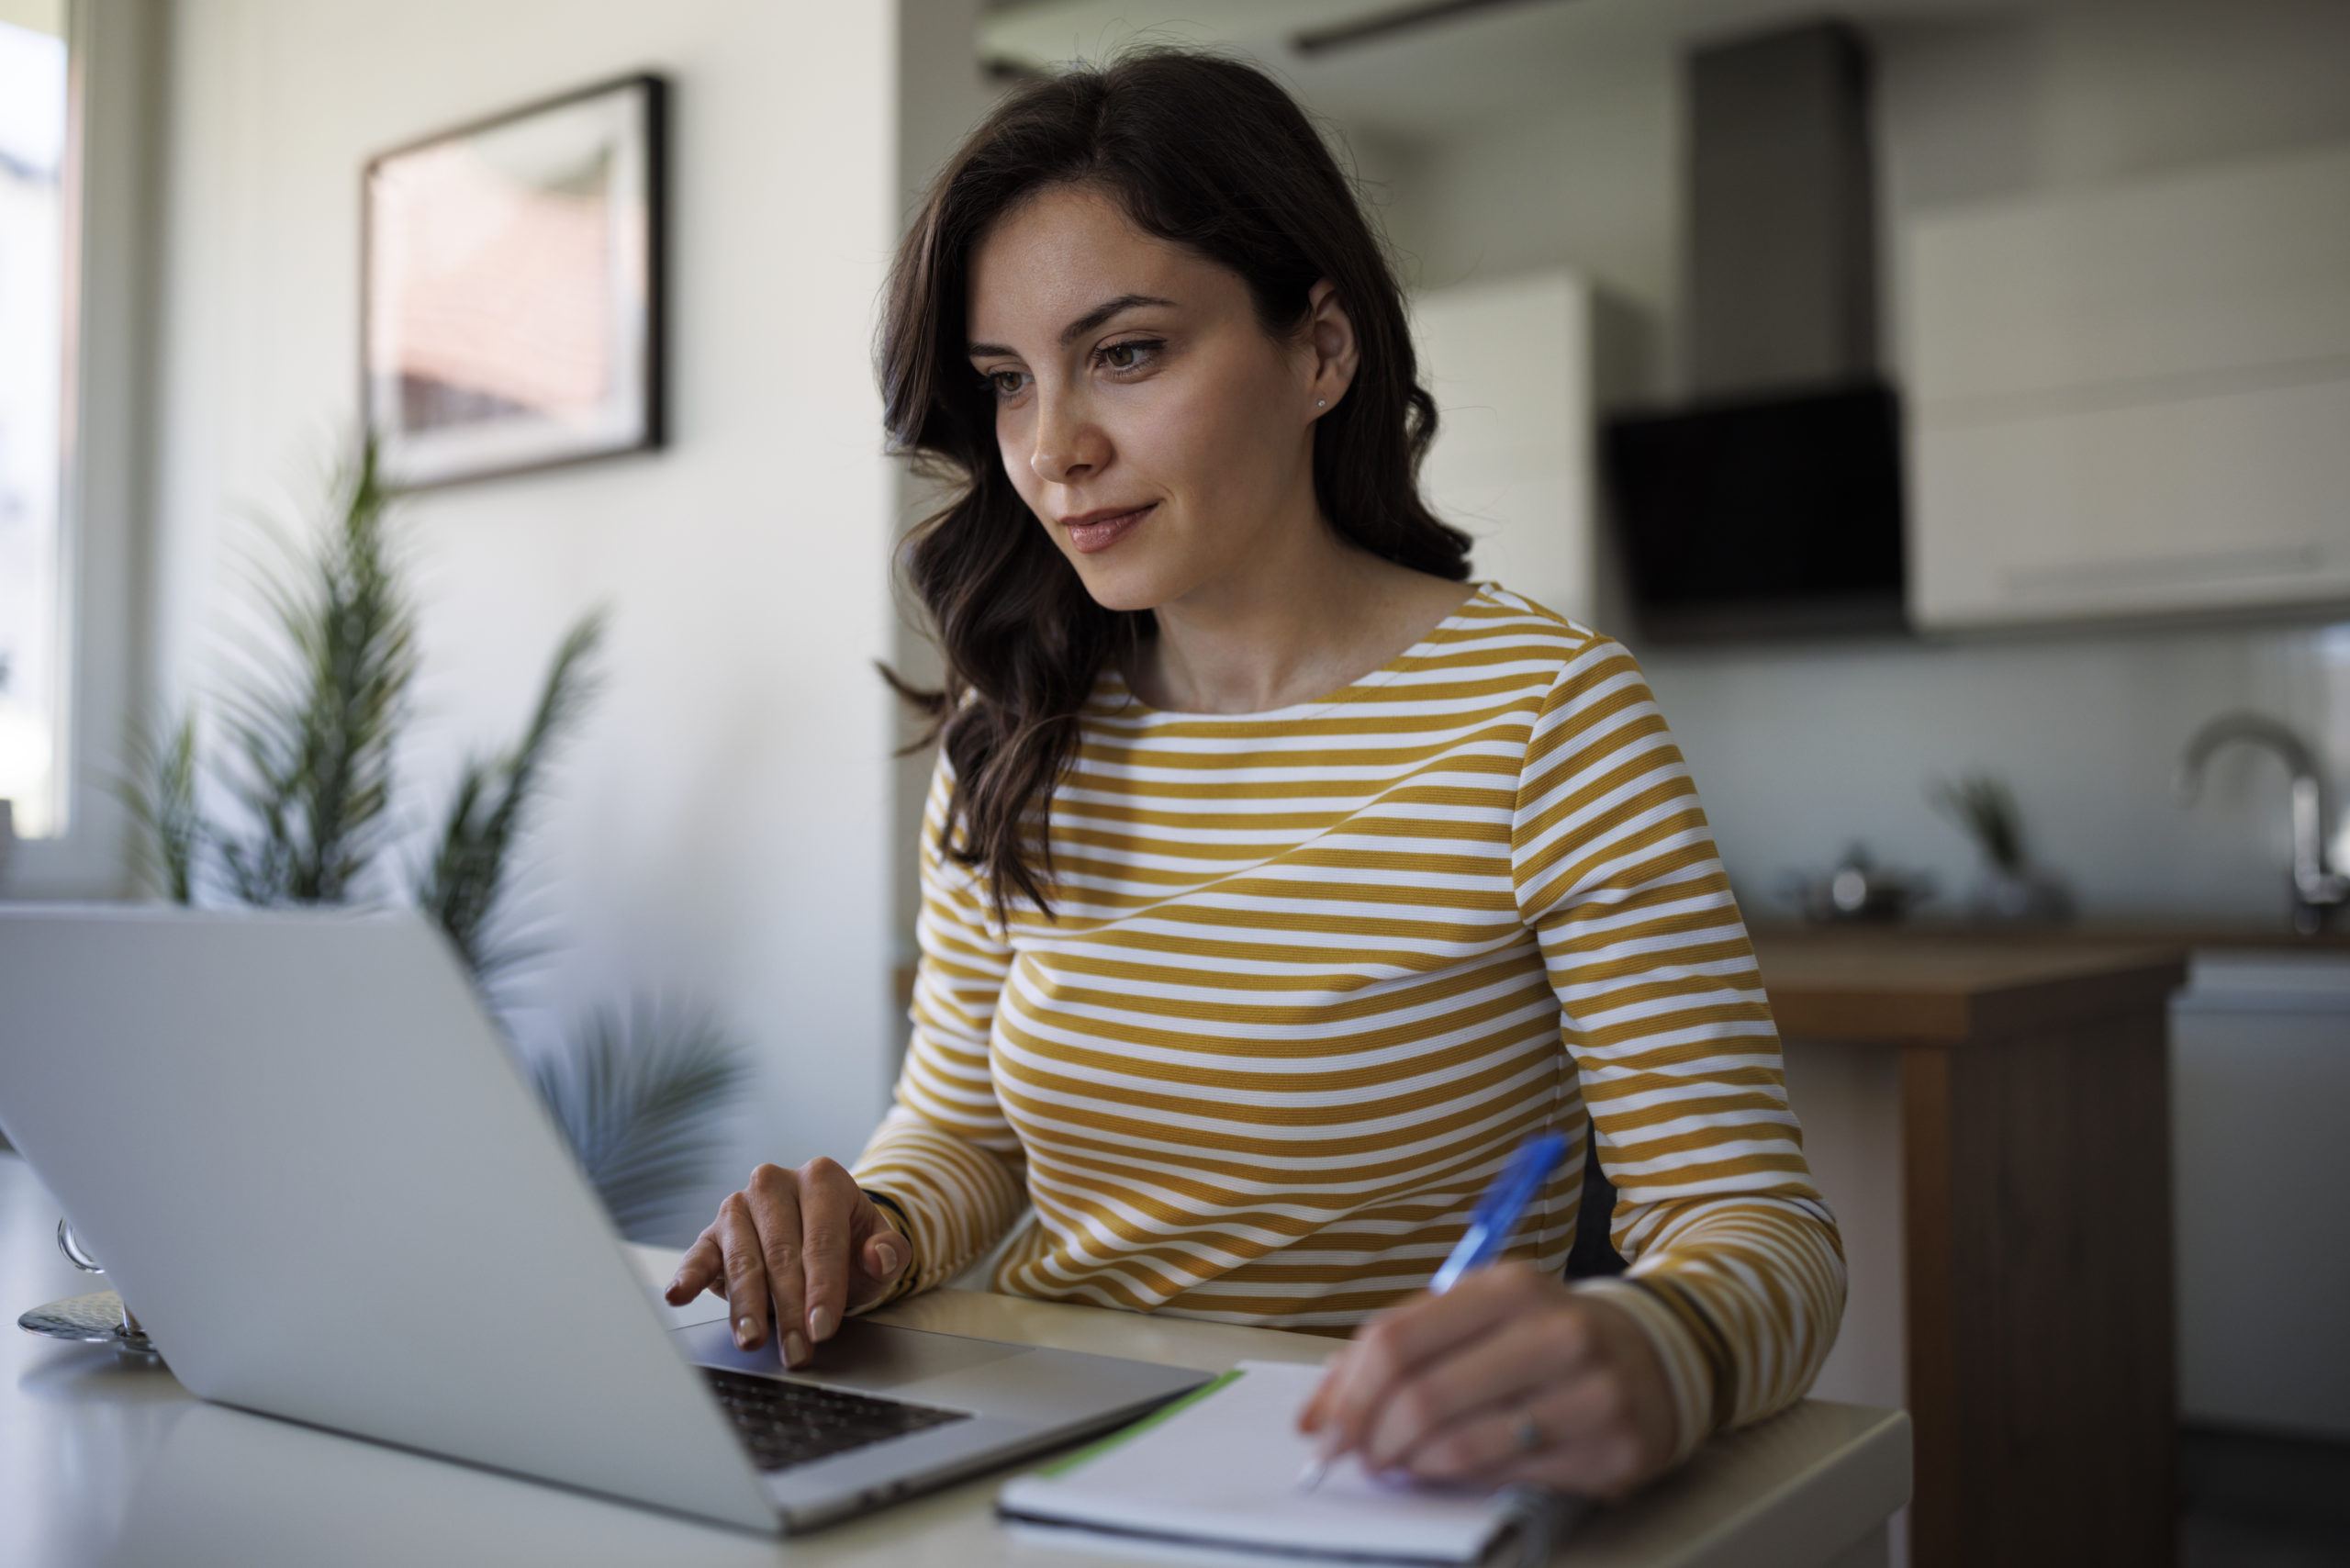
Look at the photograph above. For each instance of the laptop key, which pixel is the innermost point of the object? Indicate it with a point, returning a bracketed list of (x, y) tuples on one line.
[(784, 1424)]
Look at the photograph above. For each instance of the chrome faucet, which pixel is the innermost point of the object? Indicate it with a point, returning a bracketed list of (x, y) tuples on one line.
[(2316, 891)]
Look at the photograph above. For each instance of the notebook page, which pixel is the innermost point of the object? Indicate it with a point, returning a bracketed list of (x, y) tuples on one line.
[(1225, 1468)]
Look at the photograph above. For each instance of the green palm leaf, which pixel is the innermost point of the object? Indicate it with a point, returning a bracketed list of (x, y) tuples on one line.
[(464, 885), (637, 1095), (312, 730), (169, 827)]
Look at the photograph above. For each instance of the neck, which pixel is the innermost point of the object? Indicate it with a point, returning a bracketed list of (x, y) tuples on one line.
[(1307, 618), (1263, 638)]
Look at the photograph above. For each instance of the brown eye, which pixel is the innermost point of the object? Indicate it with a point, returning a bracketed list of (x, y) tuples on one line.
[(1132, 354), (1005, 383)]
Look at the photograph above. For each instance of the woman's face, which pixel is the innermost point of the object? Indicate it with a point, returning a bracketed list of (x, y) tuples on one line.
[(1162, 438)]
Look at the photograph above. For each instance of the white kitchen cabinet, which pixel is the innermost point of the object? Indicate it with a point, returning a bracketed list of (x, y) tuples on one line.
[(1510, 364), (2133, 400)]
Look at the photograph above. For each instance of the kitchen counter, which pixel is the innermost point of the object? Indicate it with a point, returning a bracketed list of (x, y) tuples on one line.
[(2276, 933), (2037, 1326), (1915, 985)]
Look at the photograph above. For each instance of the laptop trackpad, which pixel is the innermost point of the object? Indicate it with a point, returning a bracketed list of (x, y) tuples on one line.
[(861, 1355)]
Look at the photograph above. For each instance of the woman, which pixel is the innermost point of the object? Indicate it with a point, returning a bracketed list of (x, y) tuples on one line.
[(1277, 883)]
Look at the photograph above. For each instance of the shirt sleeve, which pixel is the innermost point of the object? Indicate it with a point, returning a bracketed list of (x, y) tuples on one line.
[(1735, 1269), (945, 1152)]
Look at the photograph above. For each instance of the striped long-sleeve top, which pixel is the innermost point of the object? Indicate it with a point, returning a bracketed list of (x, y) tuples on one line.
[(1313, 974)]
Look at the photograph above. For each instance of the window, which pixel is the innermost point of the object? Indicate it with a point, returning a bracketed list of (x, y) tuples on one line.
[(33, 634)]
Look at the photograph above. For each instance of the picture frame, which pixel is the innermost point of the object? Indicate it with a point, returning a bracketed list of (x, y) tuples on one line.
[(513, 278)]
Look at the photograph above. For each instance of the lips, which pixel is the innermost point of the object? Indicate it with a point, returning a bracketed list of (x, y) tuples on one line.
[(1093, 531)]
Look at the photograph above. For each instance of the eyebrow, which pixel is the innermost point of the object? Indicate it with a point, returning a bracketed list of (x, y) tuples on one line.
[(1092, 319)]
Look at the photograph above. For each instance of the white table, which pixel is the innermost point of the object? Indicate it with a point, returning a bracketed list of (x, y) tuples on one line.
[(101, 1463)]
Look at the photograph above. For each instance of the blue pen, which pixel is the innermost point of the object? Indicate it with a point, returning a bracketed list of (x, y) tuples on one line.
[(1498, 1211), (1491, 1224)]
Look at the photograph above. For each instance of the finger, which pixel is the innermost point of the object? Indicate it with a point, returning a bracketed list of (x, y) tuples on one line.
[(1608, 1469), (704, 1266), (1310, 1418), (1500, 1371), (746, 1278), (882, 1256), (1390, 1348), (1317, 1413), (1585, 1439), (828, 1206), (774, 1195)]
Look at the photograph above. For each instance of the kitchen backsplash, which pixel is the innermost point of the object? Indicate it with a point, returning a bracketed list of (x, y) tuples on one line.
[(1800, 750)]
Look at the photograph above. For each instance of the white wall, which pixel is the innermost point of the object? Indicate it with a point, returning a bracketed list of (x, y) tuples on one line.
[(722, 831), (1593, 181), (1799, 748)]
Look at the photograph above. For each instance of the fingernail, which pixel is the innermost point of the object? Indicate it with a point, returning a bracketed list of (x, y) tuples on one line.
[(746, 1333), (795, 1347), (889, 1256), (820, 1323)]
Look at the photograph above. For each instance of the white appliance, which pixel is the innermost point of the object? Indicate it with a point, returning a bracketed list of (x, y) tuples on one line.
[(2260, 1081)]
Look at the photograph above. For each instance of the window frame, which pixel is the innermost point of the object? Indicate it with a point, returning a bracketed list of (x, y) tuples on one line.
[(114, 68)]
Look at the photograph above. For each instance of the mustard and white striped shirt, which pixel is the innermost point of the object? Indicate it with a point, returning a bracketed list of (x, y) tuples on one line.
[(1316, 972)]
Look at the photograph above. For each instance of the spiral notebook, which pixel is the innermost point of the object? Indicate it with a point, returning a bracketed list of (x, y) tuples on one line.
[(1220, 1468)]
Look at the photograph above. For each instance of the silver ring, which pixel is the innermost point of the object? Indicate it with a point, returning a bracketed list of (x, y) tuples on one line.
[(1530, 1435)]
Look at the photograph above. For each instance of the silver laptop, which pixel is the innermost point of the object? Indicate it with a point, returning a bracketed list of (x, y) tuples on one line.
[(314, 1169)]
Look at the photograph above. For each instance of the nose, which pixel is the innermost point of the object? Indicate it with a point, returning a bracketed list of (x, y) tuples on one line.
[(1070, 445)]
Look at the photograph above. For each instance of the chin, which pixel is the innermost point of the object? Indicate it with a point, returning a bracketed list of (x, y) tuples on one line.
[(1123, 585), (1112, 590)]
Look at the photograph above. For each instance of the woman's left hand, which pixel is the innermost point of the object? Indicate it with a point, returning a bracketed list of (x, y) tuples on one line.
[(1507, 1377)]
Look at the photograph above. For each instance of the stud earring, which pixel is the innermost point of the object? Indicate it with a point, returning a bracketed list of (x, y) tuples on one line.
[(1321, 402)]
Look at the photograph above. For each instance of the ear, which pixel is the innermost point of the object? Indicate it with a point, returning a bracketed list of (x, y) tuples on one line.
[(1330, 349)]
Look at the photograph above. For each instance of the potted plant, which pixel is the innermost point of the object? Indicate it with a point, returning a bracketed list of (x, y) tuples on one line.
[(2008, 889), (301, 810)]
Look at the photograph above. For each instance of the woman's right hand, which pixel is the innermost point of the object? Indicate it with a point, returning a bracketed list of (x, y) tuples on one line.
[(806, 1246)]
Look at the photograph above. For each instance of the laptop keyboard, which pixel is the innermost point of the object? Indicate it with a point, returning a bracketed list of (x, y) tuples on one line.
[(785, 1423)]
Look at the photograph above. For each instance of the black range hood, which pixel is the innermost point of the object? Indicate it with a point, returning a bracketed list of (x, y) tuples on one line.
[(1776, 516), (1771, 502)]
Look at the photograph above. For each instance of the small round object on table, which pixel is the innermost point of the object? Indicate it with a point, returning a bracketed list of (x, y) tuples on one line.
[(93, 1319)]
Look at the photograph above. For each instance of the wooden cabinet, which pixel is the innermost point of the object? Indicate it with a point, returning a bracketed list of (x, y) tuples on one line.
[(2033, 1166), (2132, 399)]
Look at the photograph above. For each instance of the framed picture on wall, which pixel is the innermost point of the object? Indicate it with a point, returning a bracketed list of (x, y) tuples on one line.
[(511, 289)]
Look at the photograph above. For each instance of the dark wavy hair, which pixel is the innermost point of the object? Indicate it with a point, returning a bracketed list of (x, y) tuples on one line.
[(1204, 153)]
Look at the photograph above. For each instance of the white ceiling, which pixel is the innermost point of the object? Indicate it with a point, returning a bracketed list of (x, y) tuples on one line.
[(1430, 80)]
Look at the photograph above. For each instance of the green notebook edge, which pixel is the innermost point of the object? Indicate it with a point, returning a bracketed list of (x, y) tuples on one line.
[(1167, 1412)]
